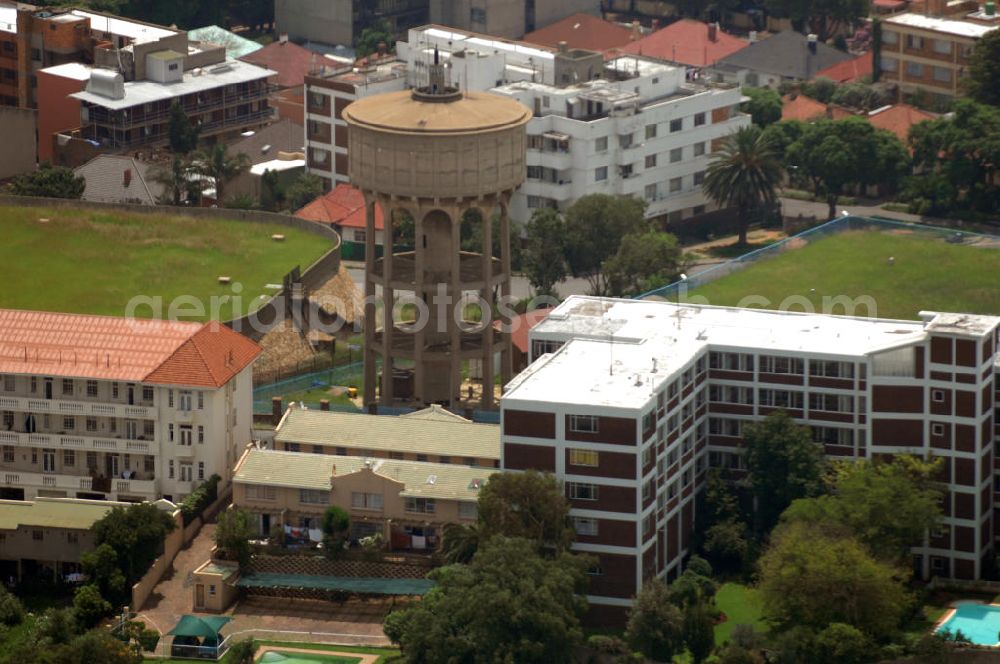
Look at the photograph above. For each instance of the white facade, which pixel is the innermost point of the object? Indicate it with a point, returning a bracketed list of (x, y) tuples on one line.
[(648, 134)]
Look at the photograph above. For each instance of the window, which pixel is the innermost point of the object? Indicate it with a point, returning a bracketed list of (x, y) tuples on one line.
[(314, 496), (149, 463), (477, 15), (420, 505), (421, 457), (69, 458), (211, 589), (261, 492), (625, 141), (583, 458), (937, 396), (201, 470), (780, 398), (585, 526), (91, 388), (942, 46), (831, 369), (9, 384), (185, 472), (91, 424), (540, 347), (170, 398), (699, 119), (184, 402), (8, 420), (831, 403), (890, 37), (699, 177), (625, 171), (937, 429), (69, 423), (170, 432), (601, 173), (8, 454), (67, 386), (650, 131), (942, 74), (781, 365), (468, 510), (699, 149), (444, 459), (914, 69), (366, 501), (913, 41), (37, 535), (581, 491), (650, 192), (676, 125), (201, 434), (675, 185), (34, 384), (72, 538), (201, 400), (583, 423), (676, 155), (650, 161), (170, 469), (601, 144), (534, 173), (186, 435), (147, 393), (92, 461), (148, 428)]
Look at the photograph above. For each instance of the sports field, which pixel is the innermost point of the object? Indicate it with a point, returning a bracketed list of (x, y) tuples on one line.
[(925, 273), (85, 261)]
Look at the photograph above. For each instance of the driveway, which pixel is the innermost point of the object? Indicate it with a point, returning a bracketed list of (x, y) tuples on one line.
[(173, 596)]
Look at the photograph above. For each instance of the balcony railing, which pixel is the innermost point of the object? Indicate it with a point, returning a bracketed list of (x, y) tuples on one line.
[(67, 407), (12, 478), (72, 442)]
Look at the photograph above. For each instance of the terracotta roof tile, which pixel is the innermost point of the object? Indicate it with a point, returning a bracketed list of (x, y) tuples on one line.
[(115, 348), (582, 31), (342, 206), (848, 70), (687, 42), (291, 61), (806, 109), (898, 119)]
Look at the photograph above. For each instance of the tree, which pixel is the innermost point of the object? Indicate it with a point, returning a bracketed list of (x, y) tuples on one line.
[(460, 542), (744, 174), (49, 182), (221, 167), (508, 605), (655, 625), (272, 194), (820, 17), (306, 188), (136, 535), (764, 106), (861, 96), (89, 606), (983, 82), (177, 181), (371, 36), (699, 631), (643, 262), (545, 250), (727, 544), (887, 506), (336, 526), (232, 535), (97, 646), (595, 225), (820, 88), (11, 609), (812, 577), (783, 464), (57, 625), (102, 568), (243, 651), (842, 644), (529, 505), (182, 135)]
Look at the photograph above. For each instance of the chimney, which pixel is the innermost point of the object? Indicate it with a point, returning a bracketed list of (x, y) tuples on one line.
[(636, 30), (563, 47), (283, 38), (811, 43), (127, 177), (713, 32)]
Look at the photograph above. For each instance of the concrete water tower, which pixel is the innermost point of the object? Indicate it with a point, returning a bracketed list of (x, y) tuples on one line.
[(428, 157)]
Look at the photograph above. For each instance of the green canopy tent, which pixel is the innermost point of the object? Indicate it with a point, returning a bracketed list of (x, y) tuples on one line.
[(198, 636)]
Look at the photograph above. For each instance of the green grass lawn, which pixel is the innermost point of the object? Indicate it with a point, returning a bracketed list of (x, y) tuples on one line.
[(928, 274), (85, 261), (742, 605)]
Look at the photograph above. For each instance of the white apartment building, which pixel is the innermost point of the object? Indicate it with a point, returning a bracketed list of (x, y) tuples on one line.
[(113, 408), (628, 402), (639, 130)]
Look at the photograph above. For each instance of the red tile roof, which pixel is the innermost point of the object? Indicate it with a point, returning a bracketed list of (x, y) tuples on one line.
[(898, 119), (127, 349), (291, 61), (341, 206), (687, 42), (582, 31), (521, 325), (848, 70), (806, 109)]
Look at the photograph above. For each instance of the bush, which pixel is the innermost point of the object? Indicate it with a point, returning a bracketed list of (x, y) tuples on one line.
[(242, 652), (57, 626), (608, 645), (11, 610), (148, 638), (196, 502), (89, 605)]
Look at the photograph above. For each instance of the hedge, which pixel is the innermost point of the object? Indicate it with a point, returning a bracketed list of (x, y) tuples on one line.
[(196, 502)]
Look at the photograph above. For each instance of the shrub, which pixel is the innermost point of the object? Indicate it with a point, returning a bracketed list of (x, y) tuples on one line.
[(148, 638), (57, 626), (242, 652), (608, 645), (89, 605), (11, 611), (196, 502)]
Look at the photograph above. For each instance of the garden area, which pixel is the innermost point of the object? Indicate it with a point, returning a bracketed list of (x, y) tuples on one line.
[(117, 256)]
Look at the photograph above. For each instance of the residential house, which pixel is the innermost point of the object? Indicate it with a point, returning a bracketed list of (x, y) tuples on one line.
[(786, 56), (108, 408), (275, 147), (632, 437), (688, 42), (898, 118), (428, 435), (408, 503), (121, 179), (343, 209), (797, 106), (849, 71), (585, 31)]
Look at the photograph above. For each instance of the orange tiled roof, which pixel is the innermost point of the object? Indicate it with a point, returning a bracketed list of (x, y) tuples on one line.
[(687, 42), (291, 61), (806, 109), (342, 206), (115, 348), (898, 119), (582, 31), (848, 70)]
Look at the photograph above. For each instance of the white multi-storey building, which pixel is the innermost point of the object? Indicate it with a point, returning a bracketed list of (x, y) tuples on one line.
[(120, 409), (629, 402)]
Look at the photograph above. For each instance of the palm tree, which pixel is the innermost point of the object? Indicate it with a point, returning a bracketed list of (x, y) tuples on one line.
[(221, 167), (176, 180), (744, 174), (460, 542)]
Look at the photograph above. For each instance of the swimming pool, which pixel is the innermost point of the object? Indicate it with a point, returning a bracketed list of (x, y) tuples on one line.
[(275, 657), (980, 623)]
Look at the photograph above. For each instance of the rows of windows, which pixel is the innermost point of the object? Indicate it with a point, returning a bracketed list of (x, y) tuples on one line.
[(69, 387)]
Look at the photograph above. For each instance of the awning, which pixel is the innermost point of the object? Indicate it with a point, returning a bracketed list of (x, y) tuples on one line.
[(205, 627), (351, 584)]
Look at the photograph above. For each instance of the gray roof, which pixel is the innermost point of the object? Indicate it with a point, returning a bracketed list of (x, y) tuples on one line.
[(281, 136), (105, 176), (389, 433), (785, 54), (298, 470)]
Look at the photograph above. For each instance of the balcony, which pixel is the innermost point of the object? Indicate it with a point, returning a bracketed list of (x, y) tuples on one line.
[(71, 442), (66, 407), (13, 478)]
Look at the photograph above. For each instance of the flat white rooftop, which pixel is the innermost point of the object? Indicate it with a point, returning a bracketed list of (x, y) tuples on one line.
[(945, 25), (74, 70), (622, 350), (277, 165), (139, 32), (8, 17), (476, 42)]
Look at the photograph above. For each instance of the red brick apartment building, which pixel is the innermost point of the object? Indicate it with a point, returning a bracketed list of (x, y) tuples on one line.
[(629, 402)]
